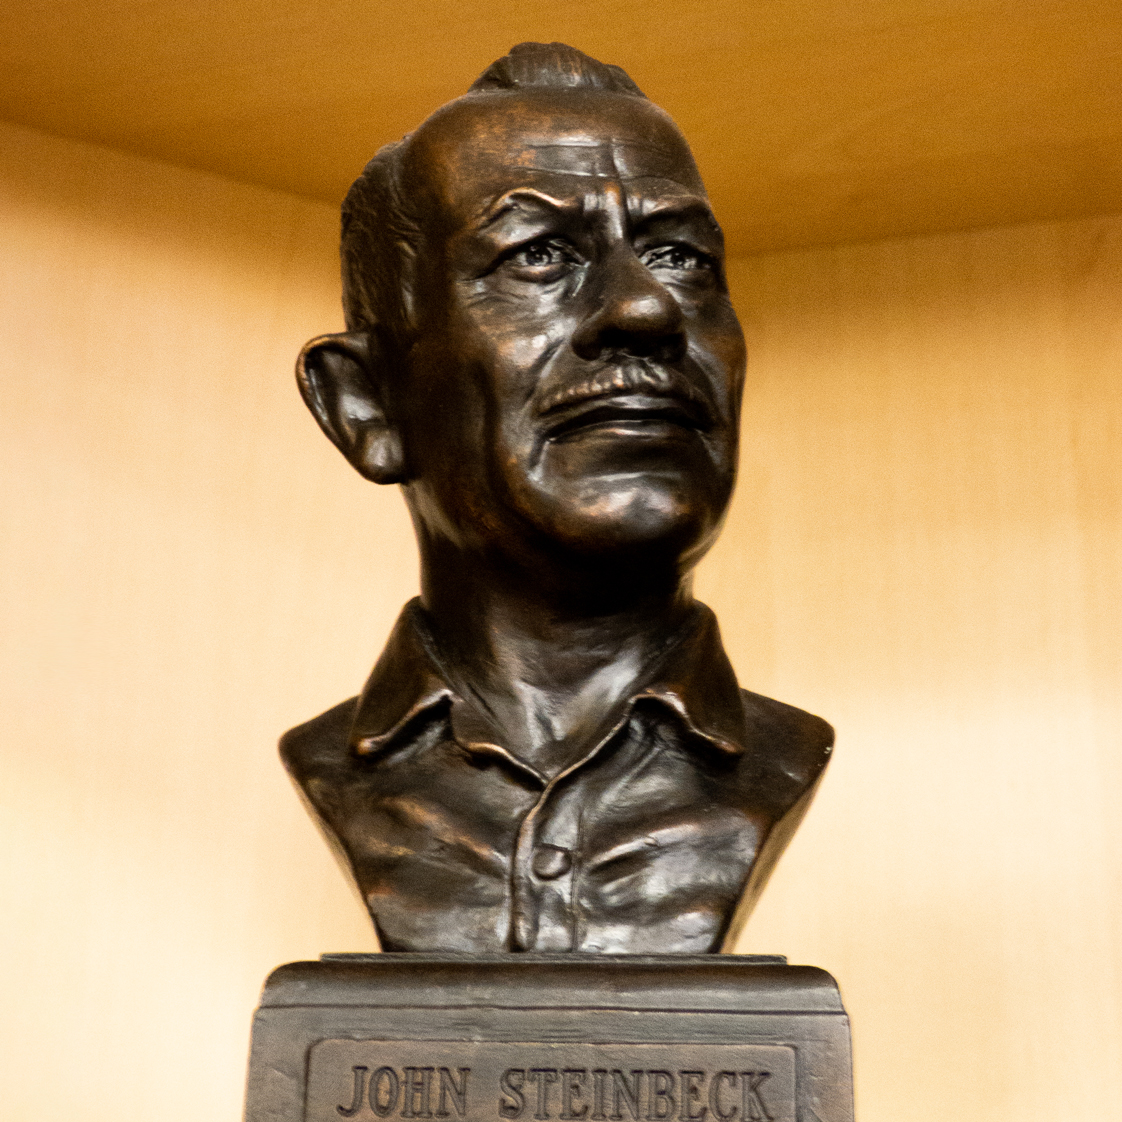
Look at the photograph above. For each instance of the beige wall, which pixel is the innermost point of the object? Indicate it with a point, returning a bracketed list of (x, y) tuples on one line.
[(924, 549)]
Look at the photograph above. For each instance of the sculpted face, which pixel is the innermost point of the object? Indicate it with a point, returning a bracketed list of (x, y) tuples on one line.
[(578, 369)]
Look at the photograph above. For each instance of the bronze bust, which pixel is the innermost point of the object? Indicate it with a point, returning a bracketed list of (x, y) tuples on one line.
[(552, 753)]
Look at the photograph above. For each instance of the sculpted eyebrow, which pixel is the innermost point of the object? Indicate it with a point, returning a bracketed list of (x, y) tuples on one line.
[(515, 200), (682, 208)]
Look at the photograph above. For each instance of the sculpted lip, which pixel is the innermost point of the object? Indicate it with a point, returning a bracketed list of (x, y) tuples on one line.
[(633, 396), (614, 378), (634, 411)]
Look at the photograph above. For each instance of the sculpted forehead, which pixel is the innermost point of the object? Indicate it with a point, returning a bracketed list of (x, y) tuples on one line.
[(478, 147)]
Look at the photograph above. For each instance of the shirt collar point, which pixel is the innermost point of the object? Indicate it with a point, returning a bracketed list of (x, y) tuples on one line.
[(694, 680)]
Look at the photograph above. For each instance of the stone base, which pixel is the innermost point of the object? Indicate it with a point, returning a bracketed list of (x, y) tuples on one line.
[(550, 1038)]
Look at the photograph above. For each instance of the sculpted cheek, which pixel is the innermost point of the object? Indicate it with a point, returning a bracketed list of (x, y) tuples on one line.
[(523, 353)]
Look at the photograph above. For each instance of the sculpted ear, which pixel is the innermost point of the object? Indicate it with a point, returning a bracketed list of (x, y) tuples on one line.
[(342, 379)]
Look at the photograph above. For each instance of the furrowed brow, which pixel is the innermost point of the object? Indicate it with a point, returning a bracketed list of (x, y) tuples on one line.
[(518, 199), (682, 208)]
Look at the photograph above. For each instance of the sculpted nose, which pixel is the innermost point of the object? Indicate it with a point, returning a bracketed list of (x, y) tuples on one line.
[(631, 312)]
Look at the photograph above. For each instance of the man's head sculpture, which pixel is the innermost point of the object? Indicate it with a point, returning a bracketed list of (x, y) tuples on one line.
[(541, 350)]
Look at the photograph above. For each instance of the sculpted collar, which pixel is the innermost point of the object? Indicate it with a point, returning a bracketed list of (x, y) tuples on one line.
[(692, 678)]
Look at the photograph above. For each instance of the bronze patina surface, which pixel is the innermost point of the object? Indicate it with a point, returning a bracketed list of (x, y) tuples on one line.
[(550, 1038), (552, 754)]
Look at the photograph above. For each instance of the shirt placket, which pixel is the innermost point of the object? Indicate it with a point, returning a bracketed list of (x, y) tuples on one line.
[(547, 859), (542, 873)]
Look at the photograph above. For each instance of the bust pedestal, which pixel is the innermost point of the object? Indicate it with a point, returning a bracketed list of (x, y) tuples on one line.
[(550, 1038)]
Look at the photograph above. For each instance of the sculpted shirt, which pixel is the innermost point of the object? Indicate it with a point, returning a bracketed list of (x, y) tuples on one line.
[(658, 838)]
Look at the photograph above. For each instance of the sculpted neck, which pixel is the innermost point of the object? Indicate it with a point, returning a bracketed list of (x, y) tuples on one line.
[(547, 653)]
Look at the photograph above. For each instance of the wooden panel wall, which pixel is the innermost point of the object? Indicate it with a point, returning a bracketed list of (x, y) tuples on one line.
[(180, 558), (924, 549)]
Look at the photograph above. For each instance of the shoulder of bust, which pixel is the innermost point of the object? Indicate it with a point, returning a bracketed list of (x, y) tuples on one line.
[(319, 746), (790, 741)]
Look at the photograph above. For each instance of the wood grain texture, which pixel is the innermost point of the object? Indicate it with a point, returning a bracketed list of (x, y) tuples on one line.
[(924, 549), (171, 605), (814, 121)]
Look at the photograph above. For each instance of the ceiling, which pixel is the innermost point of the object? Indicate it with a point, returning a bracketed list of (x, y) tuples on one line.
[(814, 121)]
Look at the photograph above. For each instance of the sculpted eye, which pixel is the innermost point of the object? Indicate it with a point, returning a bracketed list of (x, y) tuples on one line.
[(678, 257), (543, 254)]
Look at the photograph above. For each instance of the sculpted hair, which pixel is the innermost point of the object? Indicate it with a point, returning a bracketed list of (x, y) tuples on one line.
[(381, 231)]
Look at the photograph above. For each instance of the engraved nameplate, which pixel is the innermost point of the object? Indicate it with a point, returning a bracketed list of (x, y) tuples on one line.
[(487, 1081), (537, 1038)]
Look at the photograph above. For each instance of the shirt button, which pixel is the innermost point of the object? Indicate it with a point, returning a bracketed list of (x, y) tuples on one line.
[(551, 861)]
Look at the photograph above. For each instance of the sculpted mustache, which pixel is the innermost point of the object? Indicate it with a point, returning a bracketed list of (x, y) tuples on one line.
[(624, 377)]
